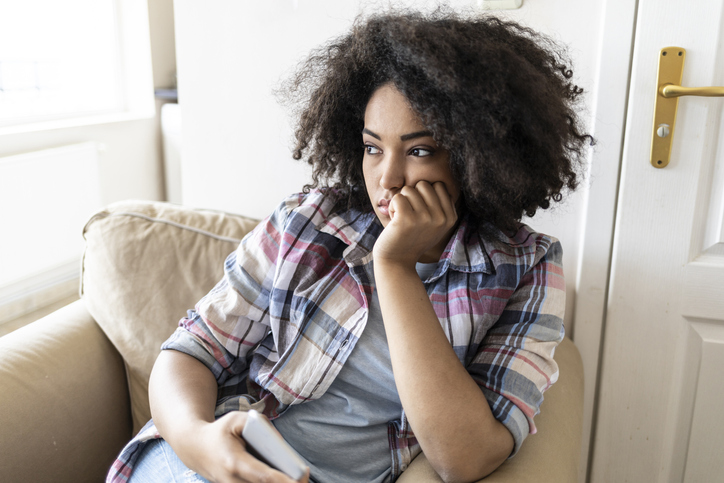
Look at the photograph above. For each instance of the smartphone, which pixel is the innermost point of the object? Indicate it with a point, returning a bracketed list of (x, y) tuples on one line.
[(264, 442)]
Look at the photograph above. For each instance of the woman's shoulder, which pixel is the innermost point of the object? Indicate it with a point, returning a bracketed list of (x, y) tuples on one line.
[(312, 204), (525, 247), (317, 208)]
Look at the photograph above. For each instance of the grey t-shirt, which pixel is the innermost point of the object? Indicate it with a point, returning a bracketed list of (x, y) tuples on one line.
[(343, 435)]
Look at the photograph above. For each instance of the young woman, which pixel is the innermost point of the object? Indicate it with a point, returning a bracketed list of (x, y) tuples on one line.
[(397, 305)]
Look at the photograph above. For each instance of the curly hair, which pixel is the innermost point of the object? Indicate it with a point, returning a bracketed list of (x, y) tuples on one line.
[(498, 96)]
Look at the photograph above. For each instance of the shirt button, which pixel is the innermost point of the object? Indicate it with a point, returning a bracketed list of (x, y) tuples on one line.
[(346, 341), (403, 467)]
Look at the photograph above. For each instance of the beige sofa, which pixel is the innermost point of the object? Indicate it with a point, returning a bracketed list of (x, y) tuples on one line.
[(73, 386)]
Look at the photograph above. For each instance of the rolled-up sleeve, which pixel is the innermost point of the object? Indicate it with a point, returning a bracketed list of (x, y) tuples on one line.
[(232, 318), (514, 365)]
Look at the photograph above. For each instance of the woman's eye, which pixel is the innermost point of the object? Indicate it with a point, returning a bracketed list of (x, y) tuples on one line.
[(421, 152), (371, 149)]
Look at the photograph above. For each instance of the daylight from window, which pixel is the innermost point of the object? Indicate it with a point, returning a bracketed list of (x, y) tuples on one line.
[(58, 60)]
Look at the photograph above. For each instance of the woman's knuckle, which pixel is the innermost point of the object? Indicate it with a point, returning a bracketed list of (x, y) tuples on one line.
[(229, 464), (265, 477)]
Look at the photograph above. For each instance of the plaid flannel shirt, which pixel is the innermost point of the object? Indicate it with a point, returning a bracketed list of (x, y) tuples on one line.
[(276, 330)]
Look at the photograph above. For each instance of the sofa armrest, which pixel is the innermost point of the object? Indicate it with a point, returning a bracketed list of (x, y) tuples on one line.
[(64, 404), (553, 453)]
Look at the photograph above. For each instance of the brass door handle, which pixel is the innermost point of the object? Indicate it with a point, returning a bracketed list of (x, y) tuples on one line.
[(678, 91), (668, 90)]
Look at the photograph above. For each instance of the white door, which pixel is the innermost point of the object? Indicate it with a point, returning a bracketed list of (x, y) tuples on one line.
[(661, 394)]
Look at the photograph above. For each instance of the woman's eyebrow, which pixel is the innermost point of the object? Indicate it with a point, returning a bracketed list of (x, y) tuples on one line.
[(367, 131), (418, 134), (404, 137)]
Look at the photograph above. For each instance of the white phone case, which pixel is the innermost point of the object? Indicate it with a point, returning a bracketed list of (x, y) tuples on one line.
[(259, 433)]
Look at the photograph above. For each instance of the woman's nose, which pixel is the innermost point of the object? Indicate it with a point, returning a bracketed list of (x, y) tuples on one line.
[(393, 173)]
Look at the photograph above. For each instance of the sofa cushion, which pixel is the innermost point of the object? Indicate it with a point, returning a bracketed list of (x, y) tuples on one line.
[(145, 264)]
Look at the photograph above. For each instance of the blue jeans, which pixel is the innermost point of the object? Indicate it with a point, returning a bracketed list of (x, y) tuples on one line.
[(158, 463)]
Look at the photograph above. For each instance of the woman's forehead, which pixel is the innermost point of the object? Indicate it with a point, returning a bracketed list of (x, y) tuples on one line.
[(389, 110)]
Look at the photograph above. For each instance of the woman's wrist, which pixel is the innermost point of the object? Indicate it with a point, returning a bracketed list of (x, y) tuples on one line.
[(390, 264)]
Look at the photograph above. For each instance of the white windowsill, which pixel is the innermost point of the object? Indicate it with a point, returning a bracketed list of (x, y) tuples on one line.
[(106, 118)]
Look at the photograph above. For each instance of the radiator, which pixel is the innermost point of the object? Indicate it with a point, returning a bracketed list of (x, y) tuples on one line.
[(45, 199)]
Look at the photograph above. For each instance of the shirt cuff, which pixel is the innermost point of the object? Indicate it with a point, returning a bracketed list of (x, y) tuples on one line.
[(184, 341), (510, 415)]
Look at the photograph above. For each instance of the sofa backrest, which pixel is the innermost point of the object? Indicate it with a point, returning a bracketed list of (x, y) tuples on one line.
[(145, 264)]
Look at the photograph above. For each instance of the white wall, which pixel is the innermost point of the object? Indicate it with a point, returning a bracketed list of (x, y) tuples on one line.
[(237, 139)]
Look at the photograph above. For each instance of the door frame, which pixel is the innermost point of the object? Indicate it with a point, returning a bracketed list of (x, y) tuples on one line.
[(608, 105)]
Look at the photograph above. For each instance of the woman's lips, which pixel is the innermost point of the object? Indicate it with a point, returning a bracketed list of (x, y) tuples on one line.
[(384, 207)]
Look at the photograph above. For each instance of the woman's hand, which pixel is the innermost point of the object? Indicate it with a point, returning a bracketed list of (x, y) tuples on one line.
[(421, 222), (220, 454), (182, 394)]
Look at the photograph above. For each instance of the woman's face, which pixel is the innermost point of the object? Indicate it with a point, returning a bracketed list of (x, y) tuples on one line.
[(399, 151)]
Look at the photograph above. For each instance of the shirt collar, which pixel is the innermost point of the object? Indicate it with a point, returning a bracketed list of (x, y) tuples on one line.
[(356, 229), (465, 252)]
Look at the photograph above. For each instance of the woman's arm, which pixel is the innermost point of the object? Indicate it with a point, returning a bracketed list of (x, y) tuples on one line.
[(182, 393), (447, 410)]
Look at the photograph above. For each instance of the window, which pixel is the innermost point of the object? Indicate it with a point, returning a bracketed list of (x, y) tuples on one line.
[(75, 59)]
